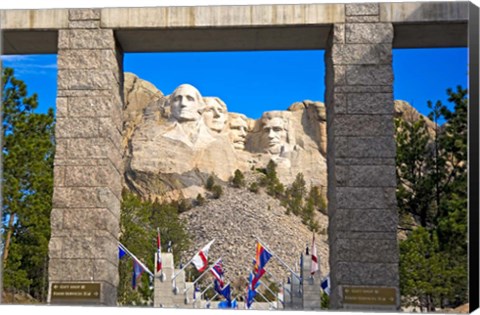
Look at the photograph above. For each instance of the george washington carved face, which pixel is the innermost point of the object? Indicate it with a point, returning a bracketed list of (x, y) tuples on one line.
[(186, 103)]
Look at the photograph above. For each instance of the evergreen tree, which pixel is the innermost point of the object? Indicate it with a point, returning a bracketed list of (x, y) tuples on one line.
[(217, 191), (137, 235), (200, 200), (210, 182), (27, 151), (295, 194), (414, 171), (424, 273), (271, 182), (253, 187), (138, 223), (452, 223), (317, 200), (238, 179), (434, 260)]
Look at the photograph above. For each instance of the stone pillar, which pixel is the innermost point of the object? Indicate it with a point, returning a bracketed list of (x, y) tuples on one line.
[(361, 160), (88, 162)]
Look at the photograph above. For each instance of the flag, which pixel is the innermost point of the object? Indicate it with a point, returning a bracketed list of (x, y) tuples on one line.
[(226, 292), (159, 252), (314, 266), (217, 272), (137, 273), (121, 252), (197, 290), (250, 296), (251, 290), (257, 277), (200, 260), (262, 256), (222, 290), (325, 284), (234, 304)]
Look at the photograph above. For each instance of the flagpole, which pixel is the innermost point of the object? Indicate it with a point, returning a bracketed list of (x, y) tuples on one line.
[(208, 301), (265, 286), (263, 296), (175, 275), (159, 252), (138, 260), (206, 271), (279, 259), (201, 293)]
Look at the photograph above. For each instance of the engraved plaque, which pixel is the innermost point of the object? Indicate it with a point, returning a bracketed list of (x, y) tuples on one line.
[(370, 296), (75, 293)]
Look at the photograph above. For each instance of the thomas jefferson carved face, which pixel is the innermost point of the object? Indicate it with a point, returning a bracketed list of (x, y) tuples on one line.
[(238, 132), (215, 114), (275, 133), (186, 103)]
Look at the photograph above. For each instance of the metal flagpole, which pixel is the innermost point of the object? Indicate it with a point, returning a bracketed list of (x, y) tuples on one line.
[(133, 256), (279, 259), (190, 261), (159, 252), (208, 301), (275, 279), (228, 283), (205, 272), (265, 286), (263, 296), (201, 293)]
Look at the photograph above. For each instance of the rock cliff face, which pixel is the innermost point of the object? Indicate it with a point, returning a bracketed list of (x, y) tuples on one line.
[(410, 114), (237, 218), (173, 143)]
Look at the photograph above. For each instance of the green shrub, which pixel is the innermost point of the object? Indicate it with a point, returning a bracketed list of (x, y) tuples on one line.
[(217, 191), (238, 179)]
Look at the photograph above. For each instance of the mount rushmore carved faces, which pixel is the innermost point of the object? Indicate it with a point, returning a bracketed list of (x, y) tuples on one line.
[(275, 132), (238, 130), (215, 114)]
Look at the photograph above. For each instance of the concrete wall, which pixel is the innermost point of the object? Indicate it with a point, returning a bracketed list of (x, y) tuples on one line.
[(299, 26)]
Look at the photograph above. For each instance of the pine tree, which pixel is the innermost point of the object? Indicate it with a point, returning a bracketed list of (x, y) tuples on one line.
[(28, 151), (295, 194), (433, 187), (414, 171), (138, 223), (424, 273), (238, 179)]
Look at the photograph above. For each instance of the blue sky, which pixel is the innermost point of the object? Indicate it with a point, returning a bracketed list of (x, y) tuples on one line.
[(254, 82)]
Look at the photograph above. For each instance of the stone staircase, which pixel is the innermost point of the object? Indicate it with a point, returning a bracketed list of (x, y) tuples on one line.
[(168, 293), (297, 295)]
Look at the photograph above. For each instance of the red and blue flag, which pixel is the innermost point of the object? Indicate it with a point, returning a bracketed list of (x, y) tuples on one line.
[(262, 256), (137, 273), (217, 272)]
